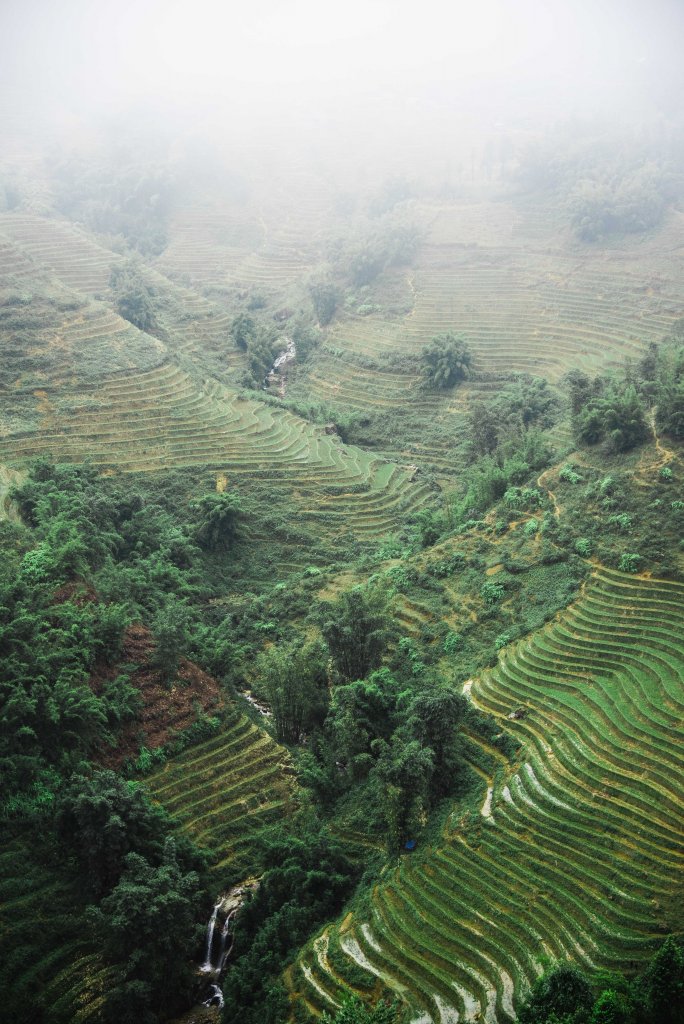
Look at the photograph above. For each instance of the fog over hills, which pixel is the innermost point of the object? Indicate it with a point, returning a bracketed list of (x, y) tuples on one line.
[(379, 77)]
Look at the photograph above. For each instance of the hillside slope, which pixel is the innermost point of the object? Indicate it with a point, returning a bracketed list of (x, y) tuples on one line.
[(574, 852), (223, 791), (90, 386)]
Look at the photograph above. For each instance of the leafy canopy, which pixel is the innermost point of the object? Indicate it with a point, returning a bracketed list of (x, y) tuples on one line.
[(445, 361)]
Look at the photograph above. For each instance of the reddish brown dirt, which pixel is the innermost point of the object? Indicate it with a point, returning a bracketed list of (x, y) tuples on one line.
[(77, 592), (166, 709)]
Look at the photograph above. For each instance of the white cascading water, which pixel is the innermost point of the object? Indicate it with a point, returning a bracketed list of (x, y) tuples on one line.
[(223, 954), (286, 357), (207, 967), (215, 997), (228, 905)]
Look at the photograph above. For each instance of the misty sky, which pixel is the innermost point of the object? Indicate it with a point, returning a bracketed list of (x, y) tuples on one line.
[(313, 59)]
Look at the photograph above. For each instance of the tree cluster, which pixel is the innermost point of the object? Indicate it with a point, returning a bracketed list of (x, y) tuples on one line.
[(130, 200), (145, 893), (506, 420), (325, 296), (387, 743), (618, 201), (564, 996), (390, 748), (133, 297), (258, 342), (307, 877), (613, 414), (605, 180), (614, 411), (389, 240), (90, 563)]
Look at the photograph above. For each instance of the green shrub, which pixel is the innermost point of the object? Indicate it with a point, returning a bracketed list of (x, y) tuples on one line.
[(568, 475), (447, 566), (445, 361), (452, 643), (492, 592), (401, 576), (629, 562), (621, 519), (521, 498), (583, 547), (148, 759)]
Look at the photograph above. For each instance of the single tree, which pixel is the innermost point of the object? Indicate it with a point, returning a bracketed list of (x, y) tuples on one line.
[(243, 330), (664, 983), (325, 296), (294, 681), (170, 632), (356, 630), (217, 520), (624, 419), (446, 361), (133, 297), (561, 994)]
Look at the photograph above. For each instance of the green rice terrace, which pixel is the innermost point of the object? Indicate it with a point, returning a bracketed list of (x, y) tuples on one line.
[(573, 849), (240, 782), (342, 589)]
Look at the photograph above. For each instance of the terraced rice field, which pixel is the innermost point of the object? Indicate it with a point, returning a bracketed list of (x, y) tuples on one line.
[(14, 264), (264, 247), (207, 244), (574, 852), (152, 414), (225, 790), (539, 313), (524, 305), (36, 918), (75, 258), (148, 421), (190, 323)]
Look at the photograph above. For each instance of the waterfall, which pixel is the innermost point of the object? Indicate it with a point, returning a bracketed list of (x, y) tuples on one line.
[(285, 357), (281, 363), (207, 967), (223, 956), (221, 918), (215, 997)]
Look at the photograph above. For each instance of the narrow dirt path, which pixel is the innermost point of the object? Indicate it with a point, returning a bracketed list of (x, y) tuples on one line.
[(645, 468), (541, 482), (414, 295), (666, 454)]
